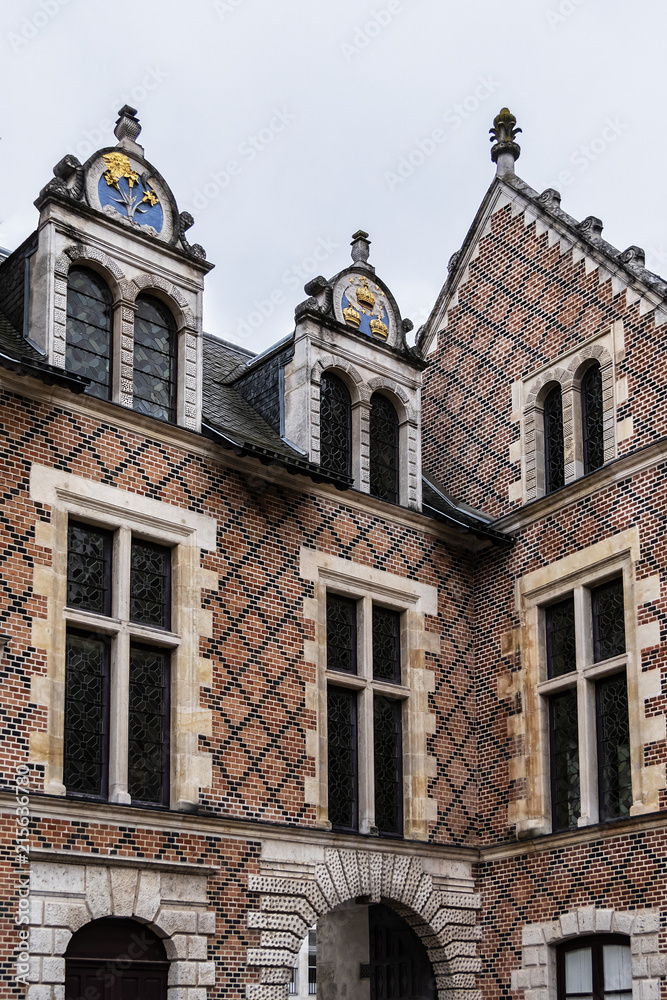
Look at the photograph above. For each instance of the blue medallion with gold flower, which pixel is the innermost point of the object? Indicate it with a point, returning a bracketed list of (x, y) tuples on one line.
[(130, 194), (364, 307)]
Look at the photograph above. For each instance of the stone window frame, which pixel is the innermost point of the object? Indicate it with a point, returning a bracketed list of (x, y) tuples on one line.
[(414, 600), (537, 976), (409, 443), (593, 565), (567, 372), (186, 533), (124, 294)]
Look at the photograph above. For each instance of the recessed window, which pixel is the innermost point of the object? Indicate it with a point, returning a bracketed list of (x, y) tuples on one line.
[(383, 449), (595, 968), (89, 330), (110, 647), (554, 444), (592, 420), (335, 426), (154, 359), (364, 718), (582, 631)]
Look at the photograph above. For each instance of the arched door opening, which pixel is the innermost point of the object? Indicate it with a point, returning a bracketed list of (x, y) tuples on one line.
[(115, 959), (363, 951)]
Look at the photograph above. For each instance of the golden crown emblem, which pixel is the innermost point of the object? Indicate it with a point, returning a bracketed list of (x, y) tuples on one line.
[(365, 295), (378, 328), (352, 316)]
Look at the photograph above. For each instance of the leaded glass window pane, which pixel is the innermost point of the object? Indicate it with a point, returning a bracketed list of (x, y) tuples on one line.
[(386, 644), (592, 419), (150, 574), (335, 426), (608, 620), (341, 633), (86, 714), (342, 757), (388, 765), (565, 796), (615, 781), (554, 445), (148, 729), (89, 325), (578, 972), (561, 647), (595, 968), (154, 359), (89, 568), (383, 449)]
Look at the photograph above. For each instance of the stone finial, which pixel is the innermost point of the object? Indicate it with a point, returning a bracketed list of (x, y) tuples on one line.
[(506, 150), (128, 128), (361, 248)]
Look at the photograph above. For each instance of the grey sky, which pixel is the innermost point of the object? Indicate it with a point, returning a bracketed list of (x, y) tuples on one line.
[(317, 106)]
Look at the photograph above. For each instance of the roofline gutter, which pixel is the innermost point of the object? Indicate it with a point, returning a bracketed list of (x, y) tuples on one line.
[(48, 374)]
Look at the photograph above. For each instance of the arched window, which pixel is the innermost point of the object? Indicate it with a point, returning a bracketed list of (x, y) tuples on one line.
[(384, 449), (595, 968), (592, 418), (554, 451), (114, 958), (335, 426), (154, 359), (88, 345)]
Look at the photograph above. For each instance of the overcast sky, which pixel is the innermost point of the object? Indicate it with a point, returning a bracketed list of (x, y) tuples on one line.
[(286, 125)]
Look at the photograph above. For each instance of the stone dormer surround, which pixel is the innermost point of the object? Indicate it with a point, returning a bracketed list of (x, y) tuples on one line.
[(325, 341), (75, 229)]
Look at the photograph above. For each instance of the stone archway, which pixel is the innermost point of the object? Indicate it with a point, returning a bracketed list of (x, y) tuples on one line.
[(445, 921)]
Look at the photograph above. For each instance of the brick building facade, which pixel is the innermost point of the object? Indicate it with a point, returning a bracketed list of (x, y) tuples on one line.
[(351, 648)]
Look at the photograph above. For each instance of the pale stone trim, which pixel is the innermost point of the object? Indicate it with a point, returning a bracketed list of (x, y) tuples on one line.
[(415, 600), (444, 920), (567, 372), (615, 555), (537, 976), (70, 495), (66, 895)]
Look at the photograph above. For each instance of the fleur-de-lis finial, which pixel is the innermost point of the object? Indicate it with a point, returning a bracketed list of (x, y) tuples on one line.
[(506, 150)]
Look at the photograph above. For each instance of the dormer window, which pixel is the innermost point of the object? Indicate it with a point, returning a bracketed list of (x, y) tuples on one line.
[(89, 333), (592, 418), (335, 426), (154, 359), (554, 445), (383, 433)]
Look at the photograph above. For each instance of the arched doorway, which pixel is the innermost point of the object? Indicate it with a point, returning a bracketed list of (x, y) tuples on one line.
[(367, 951), (115, 959)]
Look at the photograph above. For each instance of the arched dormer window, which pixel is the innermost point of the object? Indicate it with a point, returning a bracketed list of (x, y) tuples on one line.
[(335, 426), (595, 968), (89, 330), (592, 418), (554, 445), (383, 449), (154, 359)]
